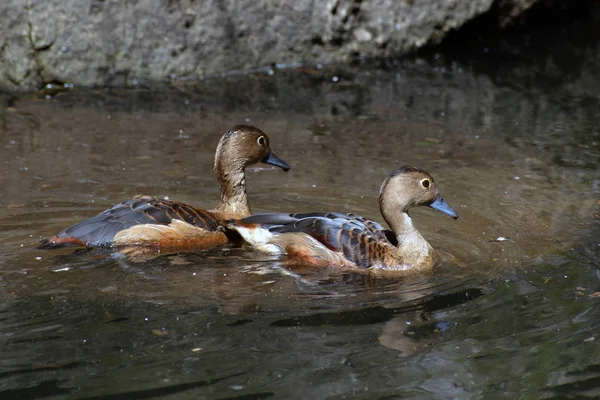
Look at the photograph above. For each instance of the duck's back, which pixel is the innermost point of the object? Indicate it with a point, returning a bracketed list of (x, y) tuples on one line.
[(362, 242), (139, 213)]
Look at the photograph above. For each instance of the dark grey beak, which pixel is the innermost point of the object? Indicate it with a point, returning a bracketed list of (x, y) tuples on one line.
[(272, 159), (443, 207)]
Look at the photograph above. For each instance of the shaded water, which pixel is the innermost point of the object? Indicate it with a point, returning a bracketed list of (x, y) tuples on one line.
[(514, 318)]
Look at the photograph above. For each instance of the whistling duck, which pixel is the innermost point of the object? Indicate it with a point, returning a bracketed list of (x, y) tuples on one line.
[(349, 240), (149, 221)]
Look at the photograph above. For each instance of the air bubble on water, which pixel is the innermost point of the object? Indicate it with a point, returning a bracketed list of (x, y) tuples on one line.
[(182, 135)]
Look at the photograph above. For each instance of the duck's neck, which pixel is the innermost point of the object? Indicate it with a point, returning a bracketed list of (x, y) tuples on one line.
[(234, 202), (413, 250)]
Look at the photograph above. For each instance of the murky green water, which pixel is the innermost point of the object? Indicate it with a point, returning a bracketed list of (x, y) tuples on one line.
[(501, 319)]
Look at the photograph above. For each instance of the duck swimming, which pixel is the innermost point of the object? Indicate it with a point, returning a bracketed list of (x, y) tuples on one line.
[(149, 221), (349, 240)]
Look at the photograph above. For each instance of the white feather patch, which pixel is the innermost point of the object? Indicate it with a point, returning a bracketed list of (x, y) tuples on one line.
[(259, 238)]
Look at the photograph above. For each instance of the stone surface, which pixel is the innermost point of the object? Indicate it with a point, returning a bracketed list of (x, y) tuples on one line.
[(114, 42)]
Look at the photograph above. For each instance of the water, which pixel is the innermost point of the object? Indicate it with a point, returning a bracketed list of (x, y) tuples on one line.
[(501, 319)]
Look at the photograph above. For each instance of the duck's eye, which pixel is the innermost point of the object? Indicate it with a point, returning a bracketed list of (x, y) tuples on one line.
[(425, 183), (261, 141)]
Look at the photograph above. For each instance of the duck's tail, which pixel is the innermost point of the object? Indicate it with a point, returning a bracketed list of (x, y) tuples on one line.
[(56, 242)]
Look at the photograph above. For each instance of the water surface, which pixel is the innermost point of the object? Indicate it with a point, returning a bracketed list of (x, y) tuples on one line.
[(511, 313)]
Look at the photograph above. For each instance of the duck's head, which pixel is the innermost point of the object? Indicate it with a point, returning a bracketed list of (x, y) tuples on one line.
[(244, 145), (410, 186)]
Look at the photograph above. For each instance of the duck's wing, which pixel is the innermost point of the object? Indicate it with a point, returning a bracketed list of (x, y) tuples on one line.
[(275, 221), (362, 241), (375, 227), (100, 230)]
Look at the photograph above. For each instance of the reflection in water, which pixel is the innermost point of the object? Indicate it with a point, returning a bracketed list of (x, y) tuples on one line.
[(512, 311)]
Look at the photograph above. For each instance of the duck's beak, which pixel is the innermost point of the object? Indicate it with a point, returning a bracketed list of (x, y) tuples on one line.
[(272, 159), (443, 207)]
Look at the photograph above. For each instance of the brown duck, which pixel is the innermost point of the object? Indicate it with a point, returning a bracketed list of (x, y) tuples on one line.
[(349, 240), (149, 221)]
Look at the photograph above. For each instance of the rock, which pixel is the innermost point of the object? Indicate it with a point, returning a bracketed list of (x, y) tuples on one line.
[(116, 43), (18, 64)]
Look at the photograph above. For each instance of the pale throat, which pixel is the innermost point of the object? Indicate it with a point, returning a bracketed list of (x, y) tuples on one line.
[(234, 202), (408, 237)]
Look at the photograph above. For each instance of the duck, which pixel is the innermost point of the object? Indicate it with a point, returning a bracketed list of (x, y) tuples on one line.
[(348, 240), (150, 221)]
